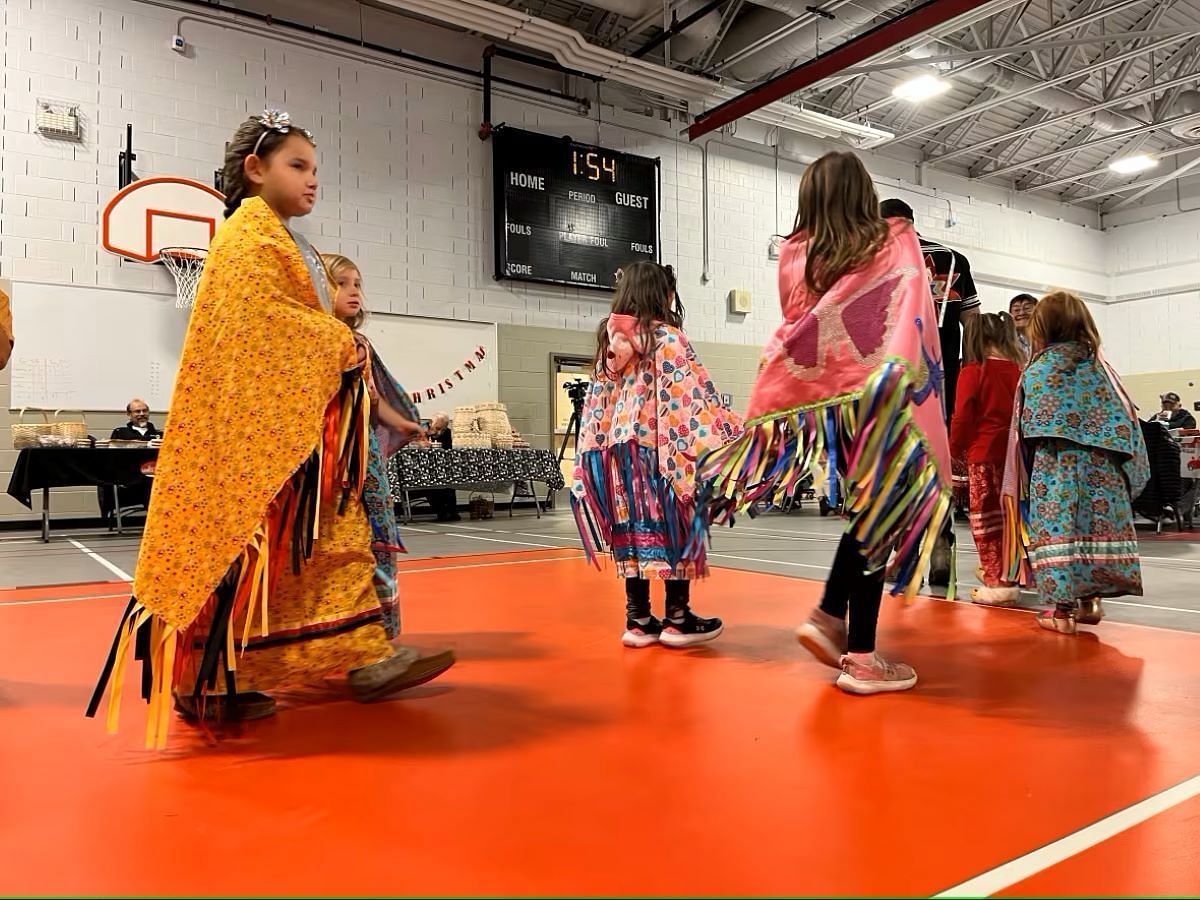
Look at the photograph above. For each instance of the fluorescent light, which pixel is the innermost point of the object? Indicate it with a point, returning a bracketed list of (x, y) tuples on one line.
[(1130, 165), (921, 88)]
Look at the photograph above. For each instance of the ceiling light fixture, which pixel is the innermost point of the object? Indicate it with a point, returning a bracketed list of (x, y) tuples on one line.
[(921, 88), (1131, 165), (924, 51)]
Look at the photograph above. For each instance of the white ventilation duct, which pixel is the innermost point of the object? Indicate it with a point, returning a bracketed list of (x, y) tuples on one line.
[(1187, 104), (569, 48), (690, 42), (1054, 100), (755, 24)]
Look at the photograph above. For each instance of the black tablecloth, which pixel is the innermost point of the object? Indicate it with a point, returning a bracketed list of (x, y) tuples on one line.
[(417, 468), (42, 467)]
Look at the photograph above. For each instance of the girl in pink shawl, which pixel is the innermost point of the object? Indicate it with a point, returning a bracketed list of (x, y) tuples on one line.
[(853, 372), (651, 412)]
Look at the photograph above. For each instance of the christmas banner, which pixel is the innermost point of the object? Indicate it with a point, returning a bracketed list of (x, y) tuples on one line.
[(447, 384)]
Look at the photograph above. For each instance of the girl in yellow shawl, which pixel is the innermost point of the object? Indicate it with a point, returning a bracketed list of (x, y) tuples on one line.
[(256, 566)]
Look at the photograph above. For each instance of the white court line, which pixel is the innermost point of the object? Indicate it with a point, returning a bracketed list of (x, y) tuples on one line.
[(780, 562), (1017, 870), (116, 570), (771, 562), (514, 562), (124, 596), (1133, 605), (476, 537)]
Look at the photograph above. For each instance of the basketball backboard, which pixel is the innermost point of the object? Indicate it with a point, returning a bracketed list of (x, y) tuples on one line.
[(158, 212)]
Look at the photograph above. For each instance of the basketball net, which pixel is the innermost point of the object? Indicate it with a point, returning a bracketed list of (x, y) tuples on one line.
[(186, 264)]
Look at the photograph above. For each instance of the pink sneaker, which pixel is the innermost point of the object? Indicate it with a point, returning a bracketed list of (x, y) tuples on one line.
[(872, 674), (824, 637)]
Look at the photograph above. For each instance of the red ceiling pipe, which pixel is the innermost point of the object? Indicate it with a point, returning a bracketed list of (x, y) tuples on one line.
[(882, 37)]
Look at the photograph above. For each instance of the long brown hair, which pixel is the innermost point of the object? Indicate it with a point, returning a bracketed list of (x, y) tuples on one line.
[(245, 139), (646, 291), (336, 264), (1061, 317), (993, 334), (838, 212)]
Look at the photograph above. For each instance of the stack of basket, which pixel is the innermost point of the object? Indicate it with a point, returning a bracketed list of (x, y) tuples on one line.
[(465, 430), (493, 421), (518, 441)]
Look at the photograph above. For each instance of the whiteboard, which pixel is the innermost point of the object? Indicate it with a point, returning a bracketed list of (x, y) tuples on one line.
[(93, 349), (422, 353)]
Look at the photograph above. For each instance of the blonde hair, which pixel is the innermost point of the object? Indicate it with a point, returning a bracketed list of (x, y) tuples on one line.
[(336, 263), (995, 333), (838, 213), (1062, 317)]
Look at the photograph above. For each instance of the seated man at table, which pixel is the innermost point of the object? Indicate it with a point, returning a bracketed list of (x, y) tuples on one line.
[(445, 500), (139, 427)]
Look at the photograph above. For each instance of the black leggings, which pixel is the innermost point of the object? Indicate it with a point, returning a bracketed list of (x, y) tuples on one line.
[(851, 589), (637, 598)]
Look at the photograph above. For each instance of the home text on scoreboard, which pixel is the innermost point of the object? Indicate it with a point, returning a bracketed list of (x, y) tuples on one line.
[(571, 213)]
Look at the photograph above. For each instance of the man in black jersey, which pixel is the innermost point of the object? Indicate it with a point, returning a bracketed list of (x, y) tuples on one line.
[(957, 304)]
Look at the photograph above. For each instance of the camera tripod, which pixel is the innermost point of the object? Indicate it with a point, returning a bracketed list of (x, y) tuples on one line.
[(577, 392)]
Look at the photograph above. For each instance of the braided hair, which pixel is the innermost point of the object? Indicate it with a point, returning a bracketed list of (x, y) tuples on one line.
[(252, 137)]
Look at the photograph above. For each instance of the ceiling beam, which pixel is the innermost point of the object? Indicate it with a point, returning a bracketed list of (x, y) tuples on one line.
[(1079, 177), (876, 40), (727, 17), (1067, 116), (1012, 49), (1154, 184), (1107, 139), (1024, 92), (1054, 31)]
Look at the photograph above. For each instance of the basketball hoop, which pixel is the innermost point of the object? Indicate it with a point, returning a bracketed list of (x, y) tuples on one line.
[(186, 264)]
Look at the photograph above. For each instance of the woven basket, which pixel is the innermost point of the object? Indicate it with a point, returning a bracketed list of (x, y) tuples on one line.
[(493, 419), (26, 434), (464, 418), (481, 507), (70, 430), (469, 440)]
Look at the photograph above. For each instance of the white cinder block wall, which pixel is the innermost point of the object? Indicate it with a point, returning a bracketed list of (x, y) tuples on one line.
[(405, 184)]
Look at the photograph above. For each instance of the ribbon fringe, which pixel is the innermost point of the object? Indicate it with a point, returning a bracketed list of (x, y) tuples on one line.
[(335, 469), (626, 500), (896, 496)]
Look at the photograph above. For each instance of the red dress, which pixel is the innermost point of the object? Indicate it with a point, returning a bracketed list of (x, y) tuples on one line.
[(983, 413)]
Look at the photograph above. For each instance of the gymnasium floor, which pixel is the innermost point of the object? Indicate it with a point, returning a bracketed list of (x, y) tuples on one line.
[(552, 761)]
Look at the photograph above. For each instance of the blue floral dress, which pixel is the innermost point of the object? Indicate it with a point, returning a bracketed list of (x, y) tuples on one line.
[(1087, 460)]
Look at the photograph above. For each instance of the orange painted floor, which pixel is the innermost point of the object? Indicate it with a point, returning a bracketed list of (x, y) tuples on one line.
[(553, 761), (1160, 857)]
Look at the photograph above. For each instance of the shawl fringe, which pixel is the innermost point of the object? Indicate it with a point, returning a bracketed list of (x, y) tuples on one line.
[(629, 510), (896, 497), (335, 469)]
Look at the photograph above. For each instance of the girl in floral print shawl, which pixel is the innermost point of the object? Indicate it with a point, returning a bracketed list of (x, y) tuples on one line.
[(651, 412), (1076, 459)]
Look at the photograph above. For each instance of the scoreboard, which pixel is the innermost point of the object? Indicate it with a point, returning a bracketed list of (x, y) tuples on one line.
[(570, 213)]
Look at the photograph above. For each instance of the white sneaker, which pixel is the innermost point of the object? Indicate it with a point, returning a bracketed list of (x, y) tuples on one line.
[(824, 637), (874, 675), (995, 596)]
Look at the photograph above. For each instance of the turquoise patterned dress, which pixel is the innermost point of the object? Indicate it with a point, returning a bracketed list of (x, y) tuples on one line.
[(1087, 460)]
